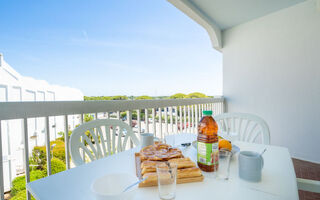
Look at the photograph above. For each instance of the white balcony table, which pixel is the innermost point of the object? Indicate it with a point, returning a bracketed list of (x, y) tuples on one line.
[(278, 178)]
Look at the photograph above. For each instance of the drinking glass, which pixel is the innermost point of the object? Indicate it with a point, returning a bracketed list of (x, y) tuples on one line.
[(167, 178), (170, 140), (224, 164), (146, 139), (162, 140)]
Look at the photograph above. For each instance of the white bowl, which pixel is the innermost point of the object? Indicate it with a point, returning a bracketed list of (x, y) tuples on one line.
[(110, 187)]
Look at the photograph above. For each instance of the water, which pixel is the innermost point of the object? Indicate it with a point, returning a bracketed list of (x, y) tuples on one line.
[(167, 179), (224, 164), (167, 192)]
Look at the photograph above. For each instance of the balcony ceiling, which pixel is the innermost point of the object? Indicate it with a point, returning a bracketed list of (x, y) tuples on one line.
[(229, 13), (218, 15)]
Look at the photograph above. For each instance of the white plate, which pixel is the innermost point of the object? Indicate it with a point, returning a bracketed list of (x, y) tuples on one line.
[(235, 148), (110, 187)]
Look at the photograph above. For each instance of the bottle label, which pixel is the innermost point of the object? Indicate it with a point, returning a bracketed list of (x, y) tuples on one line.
[(208, 153)]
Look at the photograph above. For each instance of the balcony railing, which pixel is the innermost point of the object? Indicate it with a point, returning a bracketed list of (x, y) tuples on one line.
[(161, 117)]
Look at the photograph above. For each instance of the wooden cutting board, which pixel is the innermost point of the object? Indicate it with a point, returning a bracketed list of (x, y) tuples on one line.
[(150, 184)]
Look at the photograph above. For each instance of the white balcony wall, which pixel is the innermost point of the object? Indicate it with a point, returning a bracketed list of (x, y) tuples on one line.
[(271, 67)]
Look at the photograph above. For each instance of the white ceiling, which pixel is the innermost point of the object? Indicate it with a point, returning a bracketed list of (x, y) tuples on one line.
[(229, 13)]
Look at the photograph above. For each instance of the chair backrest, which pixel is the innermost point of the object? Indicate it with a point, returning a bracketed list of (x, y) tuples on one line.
[(100, 138), (243, 127)]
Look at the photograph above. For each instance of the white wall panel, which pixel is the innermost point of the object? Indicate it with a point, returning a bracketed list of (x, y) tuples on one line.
[(272, 68)]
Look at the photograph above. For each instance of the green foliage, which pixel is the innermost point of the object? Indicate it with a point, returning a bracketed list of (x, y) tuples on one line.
[(161, 97), (99, 98), (173, 118), (119, 97), (59, 150), (32, 165), (88, 118), (168, 118), (61, 133), (39, 153), (193, 95), (21, 195), (57, 166), (88, 134), (104, 98), (178, 96), (19, 183), (39, 159), (196, 95), (39, 156), (18, 190), (135, 115), (157, 118), (123, 114), (143, 97)]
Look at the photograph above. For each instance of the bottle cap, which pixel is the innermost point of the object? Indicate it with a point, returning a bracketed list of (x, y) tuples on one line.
[(207, 112)]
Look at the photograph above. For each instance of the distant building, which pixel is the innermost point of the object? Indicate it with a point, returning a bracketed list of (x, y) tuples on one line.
[(15, 87)]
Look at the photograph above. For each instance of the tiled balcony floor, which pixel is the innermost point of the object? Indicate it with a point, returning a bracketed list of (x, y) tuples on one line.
[(307, 170)]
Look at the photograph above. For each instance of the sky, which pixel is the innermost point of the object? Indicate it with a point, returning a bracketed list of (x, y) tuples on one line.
[(110, 47)]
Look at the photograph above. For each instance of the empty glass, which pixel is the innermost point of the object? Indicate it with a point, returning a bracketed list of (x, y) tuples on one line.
[(224, 164), (167, 178), (170, 140)]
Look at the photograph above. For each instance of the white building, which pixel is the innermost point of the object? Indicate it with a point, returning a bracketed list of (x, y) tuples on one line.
[(15, 87)]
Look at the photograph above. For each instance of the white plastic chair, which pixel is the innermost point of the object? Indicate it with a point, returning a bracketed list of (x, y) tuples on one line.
[(107, 136), (243, 127), (308, 185)]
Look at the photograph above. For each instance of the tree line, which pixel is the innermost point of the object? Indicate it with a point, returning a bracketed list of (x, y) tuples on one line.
[(192, 95)]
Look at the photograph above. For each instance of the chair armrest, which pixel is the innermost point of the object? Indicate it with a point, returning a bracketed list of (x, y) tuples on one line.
[(308, 185)]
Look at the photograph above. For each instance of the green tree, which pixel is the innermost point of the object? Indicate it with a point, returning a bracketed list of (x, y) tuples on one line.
[(104, 98), (123, 115), (57, 166), (86, 98), (196, 95), (88, 118), (98, 98), (39, 157), (119, 97), (61, 133), (19, 183), (143, 97), (18, 190), (178, 96)]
